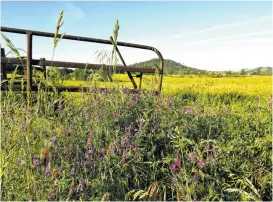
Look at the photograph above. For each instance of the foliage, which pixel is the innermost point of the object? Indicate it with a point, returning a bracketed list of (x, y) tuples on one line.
[(121, 146)]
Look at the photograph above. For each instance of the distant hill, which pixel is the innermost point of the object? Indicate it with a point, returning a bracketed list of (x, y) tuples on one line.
[(260, 71), (170, 66)]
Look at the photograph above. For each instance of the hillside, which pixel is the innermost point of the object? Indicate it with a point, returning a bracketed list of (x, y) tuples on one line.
[(170, 66), (260, 71)]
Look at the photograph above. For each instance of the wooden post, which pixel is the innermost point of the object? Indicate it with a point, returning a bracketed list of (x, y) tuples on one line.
[(29, 65)]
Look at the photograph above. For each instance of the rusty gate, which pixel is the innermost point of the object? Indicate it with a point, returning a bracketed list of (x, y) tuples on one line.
[(7, 63)]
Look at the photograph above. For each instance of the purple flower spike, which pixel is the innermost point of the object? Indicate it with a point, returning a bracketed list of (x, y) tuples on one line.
[(47, 171), (201, 164), (173, 168), (178, 163), (73, 171), (192, 156), (212, 160), (113, 148), (136, 96), (196, 176), (3, 111), (102, 152), (132, 104), (123, 161), (174, 180), (36, 161)]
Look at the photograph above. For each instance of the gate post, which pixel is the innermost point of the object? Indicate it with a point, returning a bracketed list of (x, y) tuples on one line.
[(29, 65), (3, 69)]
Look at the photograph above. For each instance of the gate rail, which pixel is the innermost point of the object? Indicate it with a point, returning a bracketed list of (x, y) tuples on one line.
[(29, 61)]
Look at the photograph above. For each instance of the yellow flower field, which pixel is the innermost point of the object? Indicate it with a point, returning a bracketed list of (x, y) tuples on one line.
[(254, 85)]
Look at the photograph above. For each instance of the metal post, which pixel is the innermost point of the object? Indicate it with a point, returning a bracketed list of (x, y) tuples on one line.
[(3, 69), (123, 62), (43, 67), (29, 64), (140, 80)]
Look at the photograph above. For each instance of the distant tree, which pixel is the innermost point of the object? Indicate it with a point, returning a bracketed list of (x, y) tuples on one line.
[(243, 72)]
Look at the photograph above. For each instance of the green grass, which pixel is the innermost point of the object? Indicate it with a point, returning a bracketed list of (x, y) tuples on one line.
[(114, 146)]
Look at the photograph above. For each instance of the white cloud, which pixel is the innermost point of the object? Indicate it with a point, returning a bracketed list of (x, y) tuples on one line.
[(226, 38), (72, 12), (224, 26)]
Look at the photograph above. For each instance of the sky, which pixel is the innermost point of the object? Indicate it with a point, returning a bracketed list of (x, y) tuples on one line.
[(212, 35)]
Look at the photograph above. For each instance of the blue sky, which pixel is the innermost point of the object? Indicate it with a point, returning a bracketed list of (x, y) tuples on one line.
[(212, 35)]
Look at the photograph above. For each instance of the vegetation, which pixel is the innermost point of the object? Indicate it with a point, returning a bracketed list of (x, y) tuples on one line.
[(202, 139)]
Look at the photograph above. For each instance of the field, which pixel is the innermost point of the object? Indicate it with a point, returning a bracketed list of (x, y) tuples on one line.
[(202, 139), (254, 85)]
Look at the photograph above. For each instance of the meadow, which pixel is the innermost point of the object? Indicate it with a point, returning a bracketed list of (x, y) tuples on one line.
[(202, 139)]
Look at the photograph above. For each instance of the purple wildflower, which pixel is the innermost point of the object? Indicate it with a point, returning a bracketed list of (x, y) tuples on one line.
[(120, 151), (73, 171), (176, 166), (113, 148), (102, 152), (126, 90), (36, 161), (196, 176), (173, 168), (177, 163), (82, 185), (192, 156), (89, 142), (47, 170), (87, 155), (83, 165), (3, 111), (104, 92), (66, 132), (210, 148), (51, 196), (132, 104), (125, 141), (113, 114), (123, 161), (174, 180), (201, 163), (58, 174), (212, 160), (129, 128), (136, 96)]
